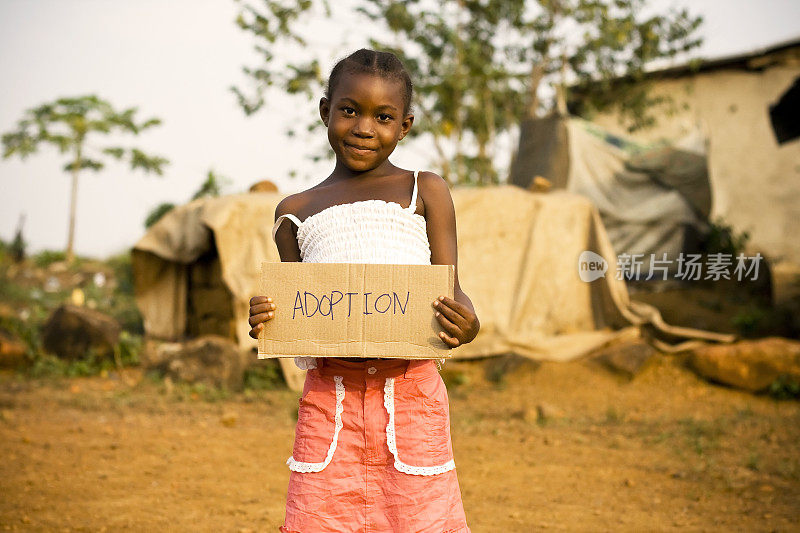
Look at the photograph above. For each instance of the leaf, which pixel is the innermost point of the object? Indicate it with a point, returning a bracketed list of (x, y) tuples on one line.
[(149, 164), (114, 152), (157, 213), (84, 164)]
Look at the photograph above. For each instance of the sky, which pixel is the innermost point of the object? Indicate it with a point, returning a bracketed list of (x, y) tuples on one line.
[(176, 60)]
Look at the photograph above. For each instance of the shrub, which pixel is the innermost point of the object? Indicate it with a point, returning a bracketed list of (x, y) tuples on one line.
[(47, 257), (123, 271), (24, 331), (722, 238), (785, 388), (263, 376)]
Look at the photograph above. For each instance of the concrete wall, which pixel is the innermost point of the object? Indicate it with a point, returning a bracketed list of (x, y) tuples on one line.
[(755, 182)]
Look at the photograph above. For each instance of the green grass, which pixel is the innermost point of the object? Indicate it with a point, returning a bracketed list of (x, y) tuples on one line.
[(25, 332), (264, 376), (199, 391), (612, 416), (785, 388), (126, 353), (36, 306), (454, 378), (754, 461), (45, 258), (701, 435)]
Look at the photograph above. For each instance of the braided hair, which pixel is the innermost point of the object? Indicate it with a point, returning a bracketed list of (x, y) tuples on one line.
[(383, 64)]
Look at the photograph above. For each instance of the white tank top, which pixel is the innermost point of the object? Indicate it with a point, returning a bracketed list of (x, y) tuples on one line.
[(366, 231)]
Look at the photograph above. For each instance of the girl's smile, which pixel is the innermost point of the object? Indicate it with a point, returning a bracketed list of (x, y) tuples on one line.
[(357, 149), (365, 119)]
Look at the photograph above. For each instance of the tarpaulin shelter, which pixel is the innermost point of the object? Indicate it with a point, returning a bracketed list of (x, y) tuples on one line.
[(652, 200), (518, 262)]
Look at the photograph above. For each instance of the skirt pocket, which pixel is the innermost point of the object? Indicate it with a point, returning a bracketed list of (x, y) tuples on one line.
[(437, 416), (423, 421), (318, 423)]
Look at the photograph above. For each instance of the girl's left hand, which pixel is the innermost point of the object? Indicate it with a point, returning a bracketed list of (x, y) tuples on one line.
[(457, 320)]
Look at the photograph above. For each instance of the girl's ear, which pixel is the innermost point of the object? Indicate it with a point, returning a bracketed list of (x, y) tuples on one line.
[(324, 110), (405, 126)]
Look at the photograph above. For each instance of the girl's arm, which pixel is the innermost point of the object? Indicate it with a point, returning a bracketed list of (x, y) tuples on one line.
[(456, 315), (286, 236), (262, 308)]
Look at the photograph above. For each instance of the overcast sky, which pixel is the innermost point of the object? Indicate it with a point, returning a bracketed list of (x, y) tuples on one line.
[(176, 59)]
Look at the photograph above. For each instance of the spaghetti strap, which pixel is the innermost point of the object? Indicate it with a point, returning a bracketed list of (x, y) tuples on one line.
[(413, 205), (280, 219)]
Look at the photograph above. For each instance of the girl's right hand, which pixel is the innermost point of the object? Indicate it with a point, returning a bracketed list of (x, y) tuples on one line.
[(261, 309)]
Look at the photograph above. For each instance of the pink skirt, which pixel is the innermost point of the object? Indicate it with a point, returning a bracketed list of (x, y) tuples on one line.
[(372, 451)]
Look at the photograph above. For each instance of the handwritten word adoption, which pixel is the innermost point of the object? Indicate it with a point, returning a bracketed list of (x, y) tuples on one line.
[(309, 304)]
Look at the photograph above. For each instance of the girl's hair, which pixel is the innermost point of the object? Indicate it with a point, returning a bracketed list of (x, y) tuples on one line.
[(383, 64)]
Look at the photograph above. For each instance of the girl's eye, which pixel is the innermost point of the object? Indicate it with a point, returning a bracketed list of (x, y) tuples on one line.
[(348, 110), (383, 117)]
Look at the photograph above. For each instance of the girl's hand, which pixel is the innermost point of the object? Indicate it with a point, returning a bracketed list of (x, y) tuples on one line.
[(261, 310), (457, 319)]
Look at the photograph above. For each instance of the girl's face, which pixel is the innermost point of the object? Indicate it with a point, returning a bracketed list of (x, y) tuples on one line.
[(365, 120)]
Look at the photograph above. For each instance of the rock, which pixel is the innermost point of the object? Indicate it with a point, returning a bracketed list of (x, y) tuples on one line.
[(627, 359), (497, 368), (71, 332), (749, 365), (264, 186), (545, 412), (156, 354), (540, 184), (229, 419), (210, 359)]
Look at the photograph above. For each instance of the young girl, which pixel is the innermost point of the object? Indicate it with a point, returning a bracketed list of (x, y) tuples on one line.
[(372, 449)]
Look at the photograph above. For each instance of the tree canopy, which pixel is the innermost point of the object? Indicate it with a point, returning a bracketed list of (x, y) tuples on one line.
[(68, 124), (480, 66)]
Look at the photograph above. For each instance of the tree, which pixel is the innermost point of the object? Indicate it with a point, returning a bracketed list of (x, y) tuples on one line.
[(157, 213), (479, 66), (212, 187), (18, 245), (275, 23), (67, 124)]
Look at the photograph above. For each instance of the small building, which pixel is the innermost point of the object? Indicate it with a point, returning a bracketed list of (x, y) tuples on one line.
[(746, 107)]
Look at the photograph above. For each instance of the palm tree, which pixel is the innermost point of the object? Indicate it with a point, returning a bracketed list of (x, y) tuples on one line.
[(66, 124)]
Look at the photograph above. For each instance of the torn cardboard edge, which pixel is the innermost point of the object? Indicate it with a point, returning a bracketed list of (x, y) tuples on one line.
[(354, 310)]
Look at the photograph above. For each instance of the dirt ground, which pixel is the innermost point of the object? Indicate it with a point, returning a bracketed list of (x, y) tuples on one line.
[(664, 451)]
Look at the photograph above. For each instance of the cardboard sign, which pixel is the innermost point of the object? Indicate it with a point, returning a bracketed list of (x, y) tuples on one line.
[(354, 310)]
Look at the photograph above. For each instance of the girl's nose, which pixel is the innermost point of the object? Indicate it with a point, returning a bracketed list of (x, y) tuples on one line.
[(363, 127)]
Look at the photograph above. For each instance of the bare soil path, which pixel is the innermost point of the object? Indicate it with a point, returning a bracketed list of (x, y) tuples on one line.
[(664, 451)]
